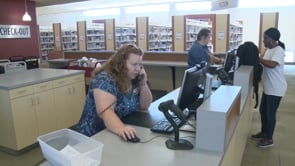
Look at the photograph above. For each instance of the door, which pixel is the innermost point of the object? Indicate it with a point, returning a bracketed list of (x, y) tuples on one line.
[(45, 112), (24, 119)]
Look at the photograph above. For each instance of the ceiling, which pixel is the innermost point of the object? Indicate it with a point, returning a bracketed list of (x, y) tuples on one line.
[(40, 3), (95, 3)]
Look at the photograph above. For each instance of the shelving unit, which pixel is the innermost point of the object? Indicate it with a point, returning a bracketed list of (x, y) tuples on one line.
[(95, 38), (193, 26), (69, 40), (125, 35), (235, 35), (160, 38), (46, 43)]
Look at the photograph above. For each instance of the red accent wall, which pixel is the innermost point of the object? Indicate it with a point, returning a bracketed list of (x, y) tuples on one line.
[(12, 12)]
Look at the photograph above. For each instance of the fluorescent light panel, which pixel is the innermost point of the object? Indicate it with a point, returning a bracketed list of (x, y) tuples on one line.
[(264, 3), (204, 5), (102, 12), (147, 8)]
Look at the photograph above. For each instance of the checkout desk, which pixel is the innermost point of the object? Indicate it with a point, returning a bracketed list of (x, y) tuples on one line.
[(235, 115)]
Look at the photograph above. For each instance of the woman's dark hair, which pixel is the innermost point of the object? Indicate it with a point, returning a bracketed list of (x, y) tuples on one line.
[(248, 54), (281, 44), (274, 34), (116, 66), (203, 32)]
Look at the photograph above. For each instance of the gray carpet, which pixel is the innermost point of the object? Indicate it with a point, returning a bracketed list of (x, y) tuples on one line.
[(283, 153)]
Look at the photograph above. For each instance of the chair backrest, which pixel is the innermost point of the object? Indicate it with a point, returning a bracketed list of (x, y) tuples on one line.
[(2, 65), (32, 62), (16, 58), (15, 66), (4, 60)]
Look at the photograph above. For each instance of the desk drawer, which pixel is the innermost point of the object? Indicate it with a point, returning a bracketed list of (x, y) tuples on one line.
[(42, 86), (19, 92), (67, 80), (76, 78)]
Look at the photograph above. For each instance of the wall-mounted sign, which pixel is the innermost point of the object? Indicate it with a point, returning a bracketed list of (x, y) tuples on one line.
[(109, 36), (141, 36), (223, 4), (15, 31), (220, 35), (178, 35)]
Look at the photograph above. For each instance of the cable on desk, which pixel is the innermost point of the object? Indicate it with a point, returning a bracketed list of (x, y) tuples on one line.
[(188, 123), (155, 138), (171, 137)]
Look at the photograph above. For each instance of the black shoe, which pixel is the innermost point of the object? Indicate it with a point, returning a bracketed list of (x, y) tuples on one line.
[(265, 143), (258, 136)]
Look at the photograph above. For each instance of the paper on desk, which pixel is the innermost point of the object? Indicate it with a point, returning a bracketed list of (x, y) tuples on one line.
[(69, 151), (72, 153), (188, 127)]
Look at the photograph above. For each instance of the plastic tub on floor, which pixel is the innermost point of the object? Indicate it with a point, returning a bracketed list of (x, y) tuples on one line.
[(66, 147)]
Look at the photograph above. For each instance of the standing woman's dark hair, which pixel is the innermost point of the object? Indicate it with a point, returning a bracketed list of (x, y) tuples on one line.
[(203, 32), (275, 34)]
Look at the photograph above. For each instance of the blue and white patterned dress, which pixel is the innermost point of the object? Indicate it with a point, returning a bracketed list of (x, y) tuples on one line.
[(90, 123)]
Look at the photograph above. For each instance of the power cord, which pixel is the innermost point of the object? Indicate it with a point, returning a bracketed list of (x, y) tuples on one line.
[(169, 137)]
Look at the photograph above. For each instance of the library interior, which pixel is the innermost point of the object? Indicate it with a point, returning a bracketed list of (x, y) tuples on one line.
[(203, 115)]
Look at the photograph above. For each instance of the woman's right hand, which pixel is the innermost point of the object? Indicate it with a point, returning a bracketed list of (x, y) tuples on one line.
[(127, 132)]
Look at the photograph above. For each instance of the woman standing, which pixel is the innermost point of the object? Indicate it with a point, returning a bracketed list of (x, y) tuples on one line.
[(274, 85), (118, 89)]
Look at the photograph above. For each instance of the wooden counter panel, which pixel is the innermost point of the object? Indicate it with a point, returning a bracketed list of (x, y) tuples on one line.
[(88, 54), (156, 56)]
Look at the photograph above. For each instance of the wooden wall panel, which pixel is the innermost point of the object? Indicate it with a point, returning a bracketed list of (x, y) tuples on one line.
[(82, 40), (267, 20), (221, 32), (142, 32), (57, 36), (110, 37), (178, 33)]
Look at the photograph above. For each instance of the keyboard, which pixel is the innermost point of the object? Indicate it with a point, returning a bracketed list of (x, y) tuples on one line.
[(164, 126)]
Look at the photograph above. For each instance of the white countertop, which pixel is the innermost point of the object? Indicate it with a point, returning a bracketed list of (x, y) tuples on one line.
[(29, 77)]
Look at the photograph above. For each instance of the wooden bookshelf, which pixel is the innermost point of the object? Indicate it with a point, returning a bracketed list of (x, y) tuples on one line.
[(95, 38), (69, 40), (160, 38), (194, 23), (46, 43), (235, 35), (125, 35)]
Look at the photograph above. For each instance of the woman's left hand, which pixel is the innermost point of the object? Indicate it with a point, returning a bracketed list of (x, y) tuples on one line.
[(143, 73)]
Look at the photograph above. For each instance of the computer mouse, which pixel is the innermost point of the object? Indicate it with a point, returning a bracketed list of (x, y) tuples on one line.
[(134, 139)]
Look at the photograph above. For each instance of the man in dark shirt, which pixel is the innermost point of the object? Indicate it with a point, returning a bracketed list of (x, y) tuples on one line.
[(200, 52)]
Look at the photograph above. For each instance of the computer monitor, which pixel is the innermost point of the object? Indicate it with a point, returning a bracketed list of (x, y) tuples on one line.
[(192, 87), (237, 63), (230, 61), (208, 86)]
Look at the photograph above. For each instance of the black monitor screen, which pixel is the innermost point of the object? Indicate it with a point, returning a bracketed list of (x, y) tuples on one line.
[(230, 59), (192, 86)]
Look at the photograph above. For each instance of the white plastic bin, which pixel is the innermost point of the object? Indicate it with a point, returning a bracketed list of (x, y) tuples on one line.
[(66, 147)]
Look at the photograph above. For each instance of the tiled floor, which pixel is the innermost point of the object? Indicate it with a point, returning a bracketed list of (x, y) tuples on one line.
[(282, 154)]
